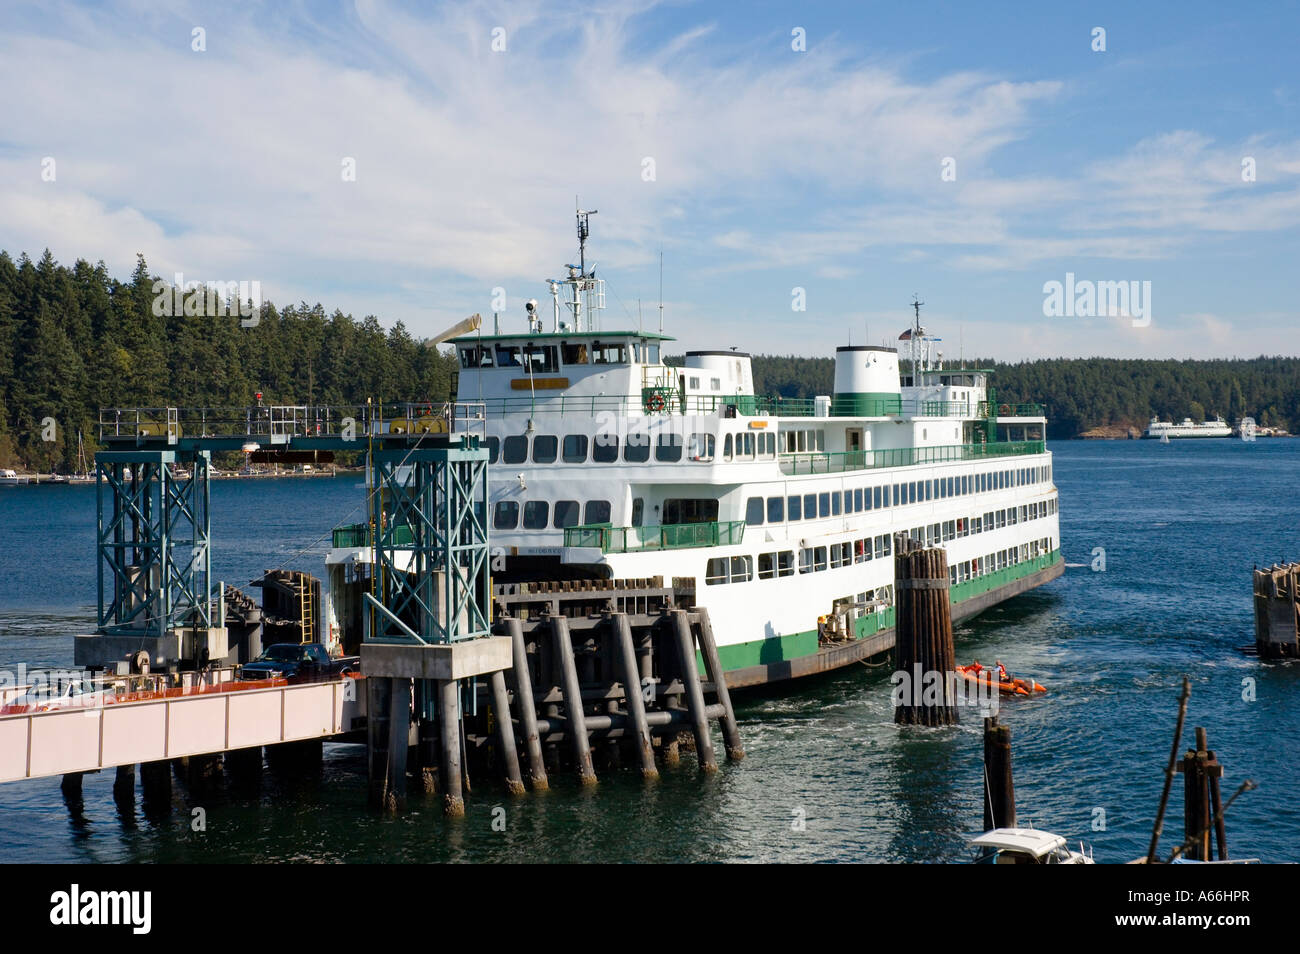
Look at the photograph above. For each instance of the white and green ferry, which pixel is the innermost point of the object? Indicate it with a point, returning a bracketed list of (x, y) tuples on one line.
[(607, 462)]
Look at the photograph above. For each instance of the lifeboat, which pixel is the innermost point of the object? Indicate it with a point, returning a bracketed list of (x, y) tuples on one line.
[(1010, 687)]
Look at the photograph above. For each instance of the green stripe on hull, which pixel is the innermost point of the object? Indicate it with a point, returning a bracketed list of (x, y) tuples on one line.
[(780, 648)]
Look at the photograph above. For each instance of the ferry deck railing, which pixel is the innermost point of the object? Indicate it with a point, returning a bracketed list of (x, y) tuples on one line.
[(831, 462)]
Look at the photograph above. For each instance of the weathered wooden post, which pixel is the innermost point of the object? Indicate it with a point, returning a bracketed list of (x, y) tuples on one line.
[(527, 708), (713, 666), (924, 650), (505, 732), (999, 789), (694, 692), (577, 722), (631, 673), (1198, 768)]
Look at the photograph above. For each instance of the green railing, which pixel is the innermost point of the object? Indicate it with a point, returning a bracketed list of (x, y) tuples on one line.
[(830, 463), (992, 409), (674, 536), (358, 535)]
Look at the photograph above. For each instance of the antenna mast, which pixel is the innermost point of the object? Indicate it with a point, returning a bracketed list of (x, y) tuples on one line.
[(661, 289)]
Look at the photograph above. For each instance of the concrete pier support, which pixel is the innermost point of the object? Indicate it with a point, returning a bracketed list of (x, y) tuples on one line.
[(573, 701), (393, 796), (694, 692), (527, 710), (453, 802), (631, 674), (506, 732)]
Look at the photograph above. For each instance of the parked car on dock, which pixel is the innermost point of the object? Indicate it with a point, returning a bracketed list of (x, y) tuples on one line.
[(73, 695), (298, 662)]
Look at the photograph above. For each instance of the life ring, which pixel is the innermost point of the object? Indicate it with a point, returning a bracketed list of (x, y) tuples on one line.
[(1004, 409), (655, 402)]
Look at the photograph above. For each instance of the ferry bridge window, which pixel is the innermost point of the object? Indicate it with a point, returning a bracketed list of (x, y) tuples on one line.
[(493, 445), (651, 352), (637, 448), (574, 352), (535, 514), (604, 449), (638, 511), (690, 510), (608, 353), (860, 499), (575, 448), (810, 506), (749, 445), (702, 446), (515, 449), (566, 513), (726, 448), (540, 359), (847, 504), (475, 357), (754, 511), (775, 509), (668, 447), (824, 505), (795, 507), (875, 503), (506, 516), (836, 500), (694, 384), (507, 356), (597, 512), (545, 447)]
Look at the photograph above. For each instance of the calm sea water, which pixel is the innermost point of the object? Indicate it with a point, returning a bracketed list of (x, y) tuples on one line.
[(828, 776)]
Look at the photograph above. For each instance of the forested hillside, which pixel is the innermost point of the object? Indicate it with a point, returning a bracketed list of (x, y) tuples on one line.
[(73, 340)]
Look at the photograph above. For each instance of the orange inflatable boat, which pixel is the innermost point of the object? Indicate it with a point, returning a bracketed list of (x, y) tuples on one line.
[(1010, 687)]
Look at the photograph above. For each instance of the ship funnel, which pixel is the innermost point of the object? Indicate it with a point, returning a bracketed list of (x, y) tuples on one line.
[(866, 382)]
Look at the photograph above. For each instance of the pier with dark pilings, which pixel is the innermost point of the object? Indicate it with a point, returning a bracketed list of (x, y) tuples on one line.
[(613, 669)]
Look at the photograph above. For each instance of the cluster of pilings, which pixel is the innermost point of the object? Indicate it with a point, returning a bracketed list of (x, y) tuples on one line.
[(924, 652), (1277, 611), (575, 691)]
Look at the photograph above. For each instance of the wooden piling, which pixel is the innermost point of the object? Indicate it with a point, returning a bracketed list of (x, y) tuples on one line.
[(71, 785), (1170, 771), (694, 692), (573, 700), (999, 789), (527, 710), (924, 649), (156, 786), (713, 666), (124, 786), (631, 674), (505, 732), (1199, 768), (449, 722)]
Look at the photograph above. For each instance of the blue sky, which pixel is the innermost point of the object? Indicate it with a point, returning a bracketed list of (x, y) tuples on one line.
[(774, 169)]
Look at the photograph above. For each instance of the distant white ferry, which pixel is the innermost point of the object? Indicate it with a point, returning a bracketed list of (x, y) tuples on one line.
[(1160, 430)]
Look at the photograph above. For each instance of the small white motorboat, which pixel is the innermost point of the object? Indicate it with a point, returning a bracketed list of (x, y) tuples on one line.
[(1026, 846)]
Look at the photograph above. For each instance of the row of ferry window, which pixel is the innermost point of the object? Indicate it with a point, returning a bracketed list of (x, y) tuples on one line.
[(636, 448), (544, 359), (781, 563), (537, 513), (834, 503)]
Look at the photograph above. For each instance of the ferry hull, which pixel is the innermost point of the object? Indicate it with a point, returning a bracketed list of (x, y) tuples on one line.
[(836, 656)]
